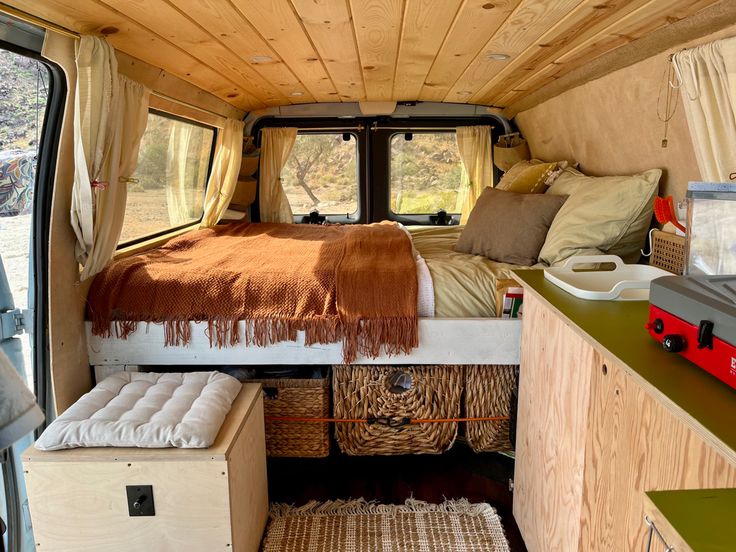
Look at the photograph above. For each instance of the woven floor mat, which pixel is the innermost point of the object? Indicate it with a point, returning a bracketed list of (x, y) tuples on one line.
[(360, 526)]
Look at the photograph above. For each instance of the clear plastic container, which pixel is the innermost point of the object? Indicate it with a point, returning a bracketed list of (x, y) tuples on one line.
[(710, 247)]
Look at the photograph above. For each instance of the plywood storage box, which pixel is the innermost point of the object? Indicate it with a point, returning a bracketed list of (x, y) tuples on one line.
[(204, 499)]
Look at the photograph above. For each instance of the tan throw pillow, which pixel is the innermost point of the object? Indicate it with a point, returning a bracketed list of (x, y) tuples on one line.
[(529, 177), (509, 227), (610, 213)]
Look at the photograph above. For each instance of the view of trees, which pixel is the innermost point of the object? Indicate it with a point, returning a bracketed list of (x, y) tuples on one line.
[(426, 173), (321, 173), (171, 175)]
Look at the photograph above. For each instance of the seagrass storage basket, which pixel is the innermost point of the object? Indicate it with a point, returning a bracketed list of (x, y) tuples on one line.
[(392, 393), (488, 393), (297, 398), (668, 252)]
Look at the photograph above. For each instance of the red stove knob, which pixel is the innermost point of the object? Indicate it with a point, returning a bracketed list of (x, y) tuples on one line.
[(673, 343)]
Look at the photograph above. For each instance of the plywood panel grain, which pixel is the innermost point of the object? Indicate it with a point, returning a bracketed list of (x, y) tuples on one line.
[(475, 23), (636, 445), (378, 30), (278, 24), (425, 25), (554, 387), (330, 27), (530, 20)]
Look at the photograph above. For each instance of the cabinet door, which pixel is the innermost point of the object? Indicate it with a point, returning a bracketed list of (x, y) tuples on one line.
[(637, 444), (554, 387)]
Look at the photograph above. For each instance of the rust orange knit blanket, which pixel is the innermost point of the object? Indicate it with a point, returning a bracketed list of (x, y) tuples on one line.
[(357, 284)]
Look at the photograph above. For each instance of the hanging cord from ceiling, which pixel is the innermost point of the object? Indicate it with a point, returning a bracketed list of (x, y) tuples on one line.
[(668, 97)]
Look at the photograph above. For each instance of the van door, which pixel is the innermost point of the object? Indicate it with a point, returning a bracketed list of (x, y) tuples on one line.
[(24, 89)]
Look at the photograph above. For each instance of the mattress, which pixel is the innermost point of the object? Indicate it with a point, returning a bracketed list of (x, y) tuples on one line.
[(148, 410), (464, 285)]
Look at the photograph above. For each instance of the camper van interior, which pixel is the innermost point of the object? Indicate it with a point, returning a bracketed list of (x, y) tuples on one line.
[(368, 275)]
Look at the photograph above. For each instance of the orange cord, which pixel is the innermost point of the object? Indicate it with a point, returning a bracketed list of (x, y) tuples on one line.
[(365, 421)]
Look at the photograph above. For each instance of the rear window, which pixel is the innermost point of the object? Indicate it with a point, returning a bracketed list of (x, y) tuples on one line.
[(168, 186), (322, 173), (426, 173)]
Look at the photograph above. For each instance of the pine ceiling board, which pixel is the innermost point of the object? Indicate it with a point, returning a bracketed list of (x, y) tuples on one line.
[(378, 31), (173, 25), (621, 31), (425, 26), (530, 20), (278, 24), (587, 20), (476, 22), (330, 28), (233, 30), (90, 17)]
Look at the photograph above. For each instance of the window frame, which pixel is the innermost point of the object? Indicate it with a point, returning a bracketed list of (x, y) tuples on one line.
[(357, 126), (213, 147), (381, 160), (353, 217), (455, 217)]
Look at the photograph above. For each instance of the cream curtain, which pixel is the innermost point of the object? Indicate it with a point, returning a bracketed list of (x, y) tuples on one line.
[(474, 143), (707, 76), (224, 175), (110, 116), (178, 196), (276, 145)]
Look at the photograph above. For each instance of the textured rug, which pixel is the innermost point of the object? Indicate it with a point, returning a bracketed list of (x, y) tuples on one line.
[(361, 526)]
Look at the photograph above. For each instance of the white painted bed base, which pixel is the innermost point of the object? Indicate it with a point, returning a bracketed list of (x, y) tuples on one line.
[(442, 341)]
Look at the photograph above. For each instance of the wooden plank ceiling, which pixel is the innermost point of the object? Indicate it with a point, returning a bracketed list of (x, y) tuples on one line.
[(258, 53)]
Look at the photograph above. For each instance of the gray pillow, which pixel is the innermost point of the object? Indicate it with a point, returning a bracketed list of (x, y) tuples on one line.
[(509, 227)]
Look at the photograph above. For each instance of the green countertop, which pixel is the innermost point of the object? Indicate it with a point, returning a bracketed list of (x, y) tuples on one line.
[(704, 518), (619, 328)]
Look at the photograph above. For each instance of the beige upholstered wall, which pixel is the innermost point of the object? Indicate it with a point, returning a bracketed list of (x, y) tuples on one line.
[(610, 125)]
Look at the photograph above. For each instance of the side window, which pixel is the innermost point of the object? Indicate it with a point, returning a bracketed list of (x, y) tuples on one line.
[(168, 187), (425, 173), (322, 173)]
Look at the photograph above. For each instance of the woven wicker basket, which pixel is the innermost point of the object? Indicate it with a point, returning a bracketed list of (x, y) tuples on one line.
[(668, 252), (301, 398), (417, 392), (488, 392)]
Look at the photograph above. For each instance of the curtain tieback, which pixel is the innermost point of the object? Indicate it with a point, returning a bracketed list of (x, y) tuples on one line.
[(99, 185), (128, 180)]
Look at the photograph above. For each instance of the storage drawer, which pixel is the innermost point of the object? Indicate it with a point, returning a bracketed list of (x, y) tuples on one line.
[(203, 499)]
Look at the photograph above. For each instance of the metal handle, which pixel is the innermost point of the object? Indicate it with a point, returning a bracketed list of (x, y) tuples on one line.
[(654, 531)]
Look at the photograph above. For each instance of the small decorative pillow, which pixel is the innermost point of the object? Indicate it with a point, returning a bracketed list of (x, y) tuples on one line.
[(609, 213), (530, 177), (509, 227)]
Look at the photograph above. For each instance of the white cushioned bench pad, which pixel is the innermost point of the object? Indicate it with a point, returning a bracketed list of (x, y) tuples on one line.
[(149, 410)]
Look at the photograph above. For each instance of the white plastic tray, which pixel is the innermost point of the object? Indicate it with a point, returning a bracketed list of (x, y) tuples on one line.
[(624, 283)]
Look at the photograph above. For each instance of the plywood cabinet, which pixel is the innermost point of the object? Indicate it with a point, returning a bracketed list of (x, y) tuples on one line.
[(592, 438)]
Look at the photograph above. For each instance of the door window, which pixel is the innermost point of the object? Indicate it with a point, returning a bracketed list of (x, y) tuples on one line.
[(322, 173)]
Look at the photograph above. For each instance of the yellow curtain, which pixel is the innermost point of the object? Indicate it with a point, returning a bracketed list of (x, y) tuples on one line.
[(474, 143), (225, 168), (110, 116), (276, 145)]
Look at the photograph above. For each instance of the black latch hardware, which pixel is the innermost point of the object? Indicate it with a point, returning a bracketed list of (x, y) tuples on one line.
[(140, 500)]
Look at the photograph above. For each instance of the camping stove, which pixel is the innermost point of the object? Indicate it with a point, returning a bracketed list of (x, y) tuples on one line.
[(695, 316)]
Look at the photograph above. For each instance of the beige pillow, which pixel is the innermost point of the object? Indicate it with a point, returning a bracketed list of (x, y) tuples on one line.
[(609, 213), (509, 227)]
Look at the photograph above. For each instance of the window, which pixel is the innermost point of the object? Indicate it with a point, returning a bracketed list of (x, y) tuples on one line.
[(322, 173), (426, 173), (168, 185)]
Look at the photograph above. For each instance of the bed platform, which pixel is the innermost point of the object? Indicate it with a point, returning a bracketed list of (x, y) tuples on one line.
[(441, 341)]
